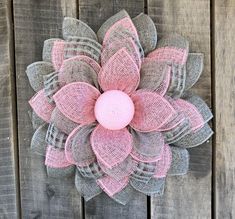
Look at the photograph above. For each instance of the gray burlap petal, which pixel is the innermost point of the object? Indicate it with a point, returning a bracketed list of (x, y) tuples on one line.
[(121, 34), (194, 67), (81, 146), (55, 137), (77, 71), (38, 143), (36, 121), (92, 171), (76, 28), (61, 172), (180, 161), (147, 143), (153, 187), (195, 138), (122, 170), (200, 105), (143, 172), (51, 85), (82, 46), (125, 195), (88, 188), (152, 74), (177, 132), (108, 23), (177, 83), (35, 73), (47, 49), (62, 122), (147, 32), (173, 40)]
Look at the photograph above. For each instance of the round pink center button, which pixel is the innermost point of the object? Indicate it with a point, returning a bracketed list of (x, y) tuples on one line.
[(114, 109)]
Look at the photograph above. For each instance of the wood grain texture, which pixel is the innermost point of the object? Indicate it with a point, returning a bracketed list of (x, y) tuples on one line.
[(187, 196), (41, 197), (8, 150), (95, 12), (224, 31)]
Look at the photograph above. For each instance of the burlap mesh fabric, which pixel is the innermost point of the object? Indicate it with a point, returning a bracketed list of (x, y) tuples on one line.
[(55, 137), (92, 170), (125, 56), (51, 85), (38, 144), (35, 73), (144, 172)]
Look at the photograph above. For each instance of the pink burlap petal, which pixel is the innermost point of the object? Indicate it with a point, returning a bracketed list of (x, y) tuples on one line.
[(152, 111), (124, 169), (112, 186), (170, 54), (125, 23), (110, 49), (192, 113), (120, 73), (178, 118), (163, 165), (76, 101), (57, 54), (41, 106), (55, 158), (111, 147)]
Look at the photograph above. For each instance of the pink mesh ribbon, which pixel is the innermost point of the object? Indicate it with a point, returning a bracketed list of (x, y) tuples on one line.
[(112, 186), (111, 147), (120, 73), (163, 165), (57, 54), (55, 158), (41, 106), (151, 111), (192, 113), (76, 101), (170, 54)]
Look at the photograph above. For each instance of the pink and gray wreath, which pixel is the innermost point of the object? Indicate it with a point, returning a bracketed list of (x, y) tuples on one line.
[(113, 108)]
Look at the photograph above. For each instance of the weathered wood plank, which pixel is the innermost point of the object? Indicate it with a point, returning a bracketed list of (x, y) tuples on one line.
[(188, 196), (8, 150), (224, 31), (41, 197), (95, 12)]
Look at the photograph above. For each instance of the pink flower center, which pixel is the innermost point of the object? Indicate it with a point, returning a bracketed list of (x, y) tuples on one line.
[(114, 109)]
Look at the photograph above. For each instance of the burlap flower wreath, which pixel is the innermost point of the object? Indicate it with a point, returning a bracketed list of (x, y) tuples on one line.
[(114, 108)]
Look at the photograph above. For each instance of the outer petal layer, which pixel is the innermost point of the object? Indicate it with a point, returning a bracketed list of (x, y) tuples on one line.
[(151, 111), (112, 186), (147, 32), (55, 158), (111, 147), (41, 107), (76, 101), (120, 73)]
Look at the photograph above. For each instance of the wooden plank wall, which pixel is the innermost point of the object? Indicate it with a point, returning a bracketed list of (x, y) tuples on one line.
[(8, 150), (224, 78), (41, 197), (203, 193)]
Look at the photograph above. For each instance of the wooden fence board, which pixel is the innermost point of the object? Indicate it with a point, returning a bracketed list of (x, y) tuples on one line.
[(8, 150), (95, 12), (41, 197), (224, 47), (188, 196)]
